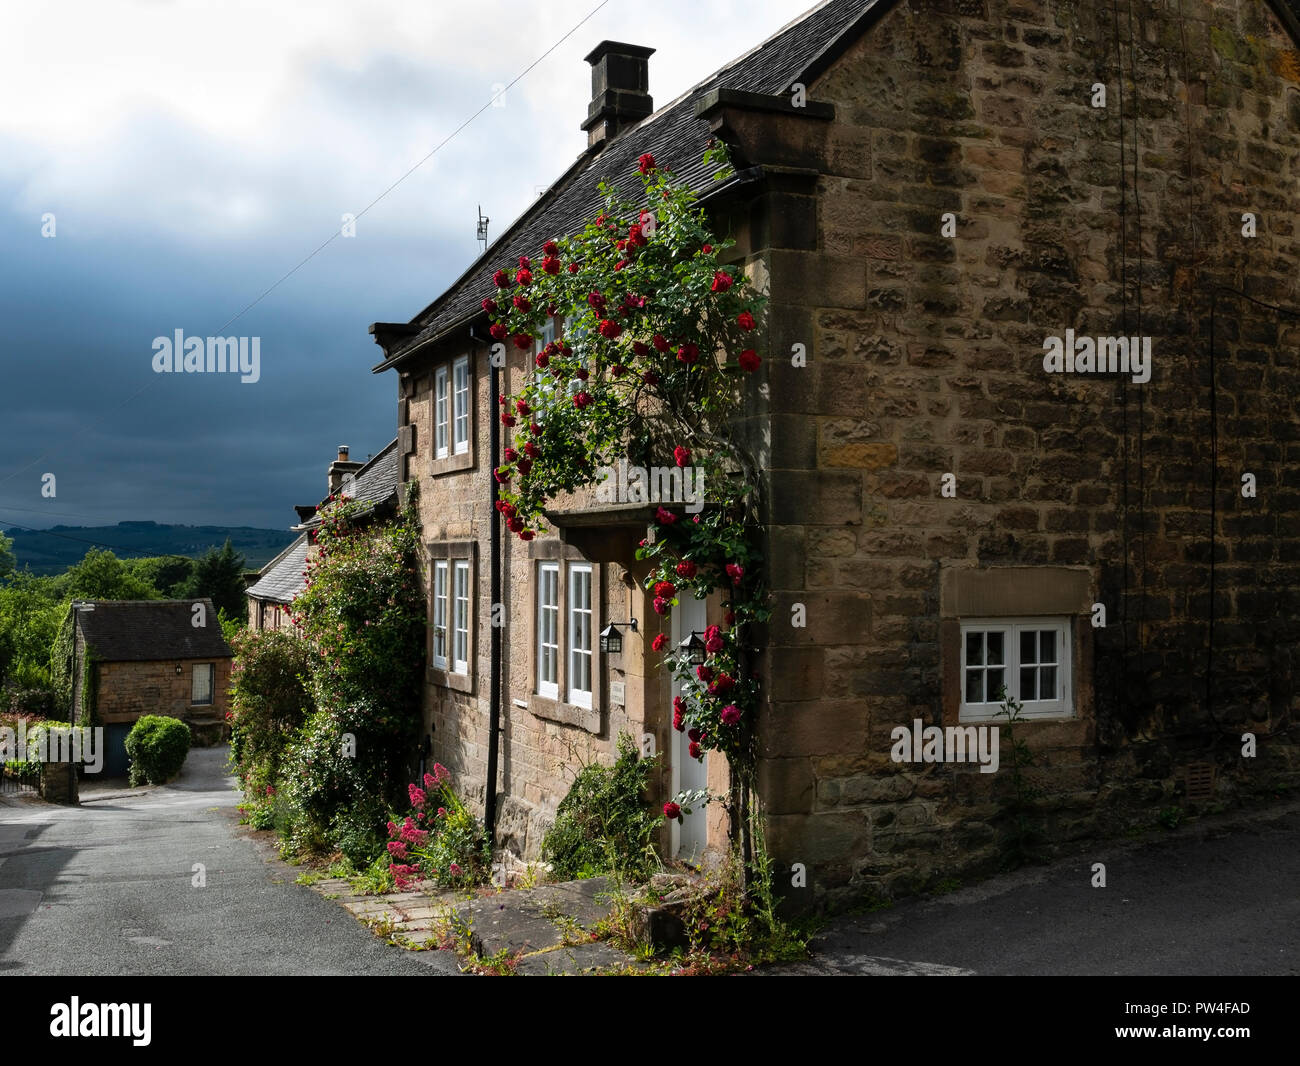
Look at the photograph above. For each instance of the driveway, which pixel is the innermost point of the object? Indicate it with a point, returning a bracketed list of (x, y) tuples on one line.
[(111, 888)]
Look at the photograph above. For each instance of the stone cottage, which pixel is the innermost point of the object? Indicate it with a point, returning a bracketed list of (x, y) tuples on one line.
[(374, 482), (138, 657), (1039, 265)]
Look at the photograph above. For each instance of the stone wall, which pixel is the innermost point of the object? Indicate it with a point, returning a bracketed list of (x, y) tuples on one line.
[(925, 358), (129, 690)]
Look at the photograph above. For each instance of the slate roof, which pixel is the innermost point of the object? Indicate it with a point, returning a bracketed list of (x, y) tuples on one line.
[(282, 577), (120, 631), (376, 483), (673, 135)]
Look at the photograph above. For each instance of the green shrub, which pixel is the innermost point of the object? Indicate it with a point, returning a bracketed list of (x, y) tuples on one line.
[(603, 824), (157, 746), (438, 840)]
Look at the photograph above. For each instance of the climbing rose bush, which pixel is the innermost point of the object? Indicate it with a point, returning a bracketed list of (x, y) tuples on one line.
[(655, 349)]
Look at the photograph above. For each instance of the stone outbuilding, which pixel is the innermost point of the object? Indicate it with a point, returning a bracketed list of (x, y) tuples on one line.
[(139, 657)]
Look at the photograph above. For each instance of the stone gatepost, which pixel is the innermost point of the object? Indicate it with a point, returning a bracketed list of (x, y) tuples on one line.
[(59, 783)]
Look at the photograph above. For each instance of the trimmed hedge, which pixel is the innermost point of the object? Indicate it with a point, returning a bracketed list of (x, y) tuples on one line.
[(157, 746)]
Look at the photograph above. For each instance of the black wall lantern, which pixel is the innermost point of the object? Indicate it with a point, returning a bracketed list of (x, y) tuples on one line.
[(611, 640), (693, 647)]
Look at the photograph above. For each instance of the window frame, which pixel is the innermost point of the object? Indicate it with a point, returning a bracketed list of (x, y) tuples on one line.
[(579, 697), (459, 407), (441, 413), (1062, 707), (211, 684), (544, 607), (438, 616), (459, 647)]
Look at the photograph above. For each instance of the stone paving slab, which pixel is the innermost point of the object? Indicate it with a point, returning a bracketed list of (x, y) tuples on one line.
[(571, 960)]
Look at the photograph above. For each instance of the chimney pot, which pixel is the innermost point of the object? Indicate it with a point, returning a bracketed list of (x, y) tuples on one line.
[(620, 83), (343, 453)]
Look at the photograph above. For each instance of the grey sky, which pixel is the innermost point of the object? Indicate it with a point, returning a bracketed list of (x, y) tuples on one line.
[(193, 152)]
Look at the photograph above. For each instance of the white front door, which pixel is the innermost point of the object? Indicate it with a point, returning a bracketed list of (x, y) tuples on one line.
[(688, 838)]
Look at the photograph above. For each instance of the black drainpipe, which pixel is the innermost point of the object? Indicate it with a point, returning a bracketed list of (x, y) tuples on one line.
[(494, 685)]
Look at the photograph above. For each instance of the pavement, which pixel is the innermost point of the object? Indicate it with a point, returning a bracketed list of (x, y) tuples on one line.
[(1219, 896), (164, 881)]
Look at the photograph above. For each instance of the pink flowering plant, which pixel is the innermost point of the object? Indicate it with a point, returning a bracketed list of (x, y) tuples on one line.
[(437, 841)]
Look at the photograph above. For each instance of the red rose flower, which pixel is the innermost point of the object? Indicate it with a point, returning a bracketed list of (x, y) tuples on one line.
[(531, 450), (550, 248), (522, 303), (510, 455), (524, 466), (678, 723), (618, 370), (490, 306), (707, 249), (515, 525), (671, 810), (525, 262), (694, 733), (551, 265), (636, 237), (582, 399), (694, 750), (722, 281), (713, 642), (507, 419), (659, 643), (650, 377), (581, 374), (688, 353), (498, 331), (679, 705), (522, 407), (745, 320), (704, 673), (749, 360), (729, 617), (686, 569), (543, 360), (610, 330), (534, 429), (682, 456), (730, 714), (661, 605), (523, 341), (524, 277), (665, 518), (735, 571), (527, 534), (502, 475), (660, 344), (666, 589), (646, 163), (501, 279), (721, 685), (573, 268), (639, 348), (596, 301)]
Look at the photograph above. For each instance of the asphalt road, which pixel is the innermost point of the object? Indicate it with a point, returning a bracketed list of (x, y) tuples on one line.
[(1217, 898), (109, 888)]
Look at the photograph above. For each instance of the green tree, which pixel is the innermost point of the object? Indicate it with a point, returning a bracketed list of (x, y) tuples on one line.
[(101, 575), (219, 575), (7, 560), (30, 614), (166, 574)]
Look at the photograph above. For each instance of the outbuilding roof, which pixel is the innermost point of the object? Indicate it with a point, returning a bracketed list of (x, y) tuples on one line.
[(150, 630)]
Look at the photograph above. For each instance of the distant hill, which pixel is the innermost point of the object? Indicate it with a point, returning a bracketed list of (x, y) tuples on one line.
[(52, 551)]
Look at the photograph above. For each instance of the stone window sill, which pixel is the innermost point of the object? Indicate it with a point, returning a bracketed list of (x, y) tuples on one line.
[(446, 679), (587, 718)]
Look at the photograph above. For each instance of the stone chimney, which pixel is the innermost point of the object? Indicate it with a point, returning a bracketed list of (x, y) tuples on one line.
[(340, 468), (620, 83)]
